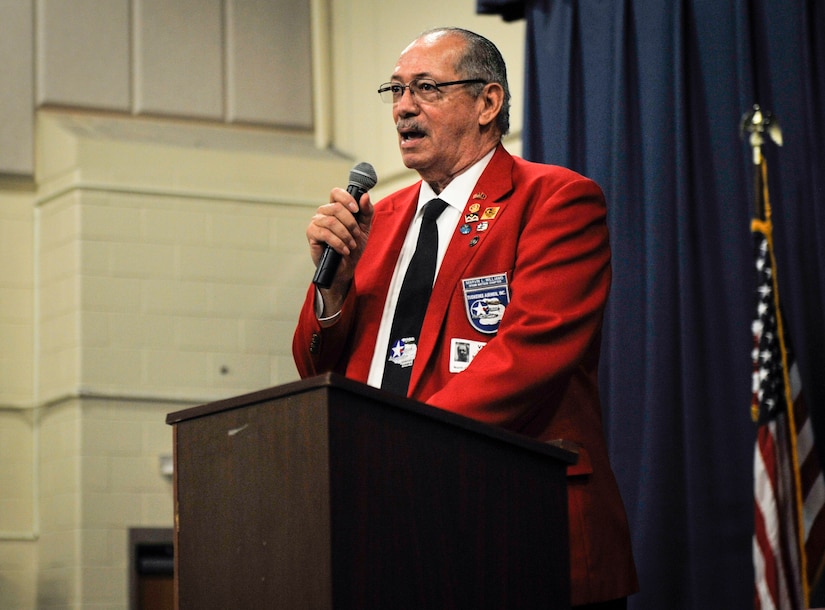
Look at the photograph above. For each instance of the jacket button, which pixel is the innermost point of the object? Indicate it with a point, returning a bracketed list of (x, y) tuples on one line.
[(314, 343)]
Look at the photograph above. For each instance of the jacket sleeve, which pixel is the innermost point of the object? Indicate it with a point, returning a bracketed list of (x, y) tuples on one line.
[(318, 349)]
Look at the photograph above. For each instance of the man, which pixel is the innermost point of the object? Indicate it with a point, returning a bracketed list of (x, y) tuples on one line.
[(510, 334)]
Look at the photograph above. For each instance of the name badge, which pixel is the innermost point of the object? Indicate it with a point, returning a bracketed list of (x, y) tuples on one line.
[(462, 352), (485, 299)]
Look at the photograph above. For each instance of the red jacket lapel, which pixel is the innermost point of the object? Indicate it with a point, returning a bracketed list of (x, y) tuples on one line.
[(492, 188)]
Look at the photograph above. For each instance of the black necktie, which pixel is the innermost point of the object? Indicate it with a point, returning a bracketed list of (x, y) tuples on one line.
[(412, 303)]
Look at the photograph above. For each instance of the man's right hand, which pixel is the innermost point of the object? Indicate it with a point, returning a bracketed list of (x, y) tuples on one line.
[(335, 224)]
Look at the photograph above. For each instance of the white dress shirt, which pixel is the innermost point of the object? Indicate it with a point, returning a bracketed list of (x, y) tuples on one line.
[(456, 195)]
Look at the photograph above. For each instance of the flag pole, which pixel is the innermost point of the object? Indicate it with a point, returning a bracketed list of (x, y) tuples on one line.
[(758, 123)]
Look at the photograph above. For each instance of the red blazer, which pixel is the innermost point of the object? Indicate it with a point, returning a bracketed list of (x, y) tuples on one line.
[(546, 231)]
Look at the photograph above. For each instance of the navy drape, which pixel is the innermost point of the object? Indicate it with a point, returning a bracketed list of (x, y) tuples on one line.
[(645, 97)]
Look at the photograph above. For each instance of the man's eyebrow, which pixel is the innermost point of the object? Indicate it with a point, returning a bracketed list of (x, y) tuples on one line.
[(415, 76)]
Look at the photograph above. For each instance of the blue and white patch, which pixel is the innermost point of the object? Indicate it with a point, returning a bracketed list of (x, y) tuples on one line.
[(402, 352), (485, 299)]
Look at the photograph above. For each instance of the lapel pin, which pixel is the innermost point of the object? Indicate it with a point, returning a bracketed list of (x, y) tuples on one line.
[(490, 213)]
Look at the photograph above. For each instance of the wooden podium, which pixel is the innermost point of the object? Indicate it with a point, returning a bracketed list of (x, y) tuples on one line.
[(326, 493)]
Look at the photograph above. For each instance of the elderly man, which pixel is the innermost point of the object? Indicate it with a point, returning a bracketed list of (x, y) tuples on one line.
[(504, 324)]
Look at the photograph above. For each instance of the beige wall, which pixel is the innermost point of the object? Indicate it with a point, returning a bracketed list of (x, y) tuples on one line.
[(232, 61), (151, 264)]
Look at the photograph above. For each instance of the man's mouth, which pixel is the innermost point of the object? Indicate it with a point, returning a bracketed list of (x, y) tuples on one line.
[(410, 133)]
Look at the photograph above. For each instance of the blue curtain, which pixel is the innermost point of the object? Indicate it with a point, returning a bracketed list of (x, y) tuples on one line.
[(646, 97)]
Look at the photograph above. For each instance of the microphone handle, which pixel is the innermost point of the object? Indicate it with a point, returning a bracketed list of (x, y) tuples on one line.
[(330, 259)]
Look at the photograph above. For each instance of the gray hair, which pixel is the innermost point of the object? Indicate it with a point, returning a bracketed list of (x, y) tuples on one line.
[(481, 59)]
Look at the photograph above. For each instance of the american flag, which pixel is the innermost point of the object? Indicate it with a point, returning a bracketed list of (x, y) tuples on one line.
[(789, 490)]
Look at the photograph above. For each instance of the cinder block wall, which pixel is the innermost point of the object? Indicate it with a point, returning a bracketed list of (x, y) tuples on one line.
[(18, 549), (160, 275), (141, 273), (149, 264)]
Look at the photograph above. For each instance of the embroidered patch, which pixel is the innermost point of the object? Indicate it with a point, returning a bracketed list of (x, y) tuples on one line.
[(485, 299)]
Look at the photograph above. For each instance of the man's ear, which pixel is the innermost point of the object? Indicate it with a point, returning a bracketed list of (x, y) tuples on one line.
[(492, 98)]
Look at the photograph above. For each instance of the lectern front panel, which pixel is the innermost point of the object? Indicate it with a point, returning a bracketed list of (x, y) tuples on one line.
[(253, 508), (328, 494)]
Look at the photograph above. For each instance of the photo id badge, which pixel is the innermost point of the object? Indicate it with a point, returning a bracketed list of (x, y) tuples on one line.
[(462, 352)]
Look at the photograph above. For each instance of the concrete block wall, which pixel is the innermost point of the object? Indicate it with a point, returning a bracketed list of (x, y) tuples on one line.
[(150, 273), (18, 550), (147, 264), (16, 297), (100, 474), (168, 296), (165, 271)]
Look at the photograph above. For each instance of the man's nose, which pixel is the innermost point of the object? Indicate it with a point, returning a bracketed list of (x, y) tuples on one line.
[(407, 102)]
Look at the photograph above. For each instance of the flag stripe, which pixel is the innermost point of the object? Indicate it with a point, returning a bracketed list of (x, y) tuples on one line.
[(766, 539), (774, 527), (789, 489)]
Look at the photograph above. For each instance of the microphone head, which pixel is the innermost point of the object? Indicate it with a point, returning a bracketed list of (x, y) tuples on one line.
[(363, 176)]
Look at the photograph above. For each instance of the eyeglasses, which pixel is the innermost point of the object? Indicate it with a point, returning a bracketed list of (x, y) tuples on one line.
[(424, 89)]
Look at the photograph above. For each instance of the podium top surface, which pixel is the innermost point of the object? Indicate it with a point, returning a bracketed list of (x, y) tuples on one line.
[(558, 449)]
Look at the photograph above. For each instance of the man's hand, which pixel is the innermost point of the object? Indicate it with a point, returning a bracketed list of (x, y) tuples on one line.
[(336, 224)]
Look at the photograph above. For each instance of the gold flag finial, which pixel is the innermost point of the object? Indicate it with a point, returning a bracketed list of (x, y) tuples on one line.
[(757, 123)]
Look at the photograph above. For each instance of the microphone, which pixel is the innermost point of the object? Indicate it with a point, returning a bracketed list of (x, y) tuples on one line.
[(362, 178)]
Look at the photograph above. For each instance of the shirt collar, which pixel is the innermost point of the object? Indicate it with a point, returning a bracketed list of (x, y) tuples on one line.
[(460, 188)]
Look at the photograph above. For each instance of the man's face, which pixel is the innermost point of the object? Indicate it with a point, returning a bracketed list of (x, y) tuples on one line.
[(440, 138)]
